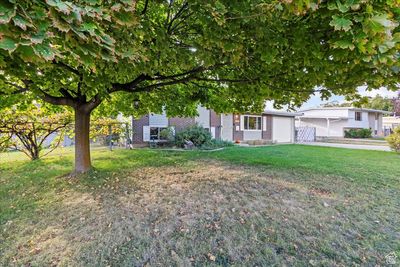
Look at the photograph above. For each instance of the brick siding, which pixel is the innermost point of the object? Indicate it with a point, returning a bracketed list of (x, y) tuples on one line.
[(138, 124), (181, 123)]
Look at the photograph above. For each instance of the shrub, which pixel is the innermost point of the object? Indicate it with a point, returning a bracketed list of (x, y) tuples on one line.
[(214, 144), (167, 134), (196, 133), (394, 140), (358, 133)]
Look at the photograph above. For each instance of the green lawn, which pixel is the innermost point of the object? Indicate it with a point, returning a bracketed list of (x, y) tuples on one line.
[(276, 205)]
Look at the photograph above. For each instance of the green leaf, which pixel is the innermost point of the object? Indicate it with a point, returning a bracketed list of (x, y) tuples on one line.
[(383, 20), (44, 51), (342, 7), (60, 6), (26, 53), (383, 48), (126, 18), (89, 27), (7, 11), (332, 5), (8, 44), (341, 23), (38, 38), (21, 22), (344, 44)]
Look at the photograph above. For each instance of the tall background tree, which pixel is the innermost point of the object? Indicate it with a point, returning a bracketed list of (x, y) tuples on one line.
[(226, 55), (377, 102)]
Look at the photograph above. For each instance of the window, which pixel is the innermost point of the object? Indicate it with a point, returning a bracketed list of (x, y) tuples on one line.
[(252, 122), (358, 116), (155, 133), (376, 116)]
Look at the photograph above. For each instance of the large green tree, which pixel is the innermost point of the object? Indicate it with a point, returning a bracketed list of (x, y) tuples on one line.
[(227, 55)]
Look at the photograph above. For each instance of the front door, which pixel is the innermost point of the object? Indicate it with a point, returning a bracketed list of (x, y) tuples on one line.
[(227, 127)]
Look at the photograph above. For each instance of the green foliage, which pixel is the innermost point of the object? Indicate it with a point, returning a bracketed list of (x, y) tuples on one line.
[(358, 133), (106, 129), (380, 103), (28, 129), (394, 140), (167, 134), (195, 133), (337, 45), (215, 143)]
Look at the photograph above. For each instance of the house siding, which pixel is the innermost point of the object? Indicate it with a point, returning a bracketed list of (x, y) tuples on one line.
[(215, 121), (137, 125), (181, 123), (345, 120), (215, 126), (237, 132), (267, 135)]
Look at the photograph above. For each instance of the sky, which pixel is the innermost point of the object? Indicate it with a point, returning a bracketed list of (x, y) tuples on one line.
[(315, 100)]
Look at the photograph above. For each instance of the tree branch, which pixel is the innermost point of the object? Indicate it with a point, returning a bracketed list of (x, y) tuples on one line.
[(145, 8), (55, 100), (175, 79), (177, 15), (20, 89), (92, 104), (67, 67)]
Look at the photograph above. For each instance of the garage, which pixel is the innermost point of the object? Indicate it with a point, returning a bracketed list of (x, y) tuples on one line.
[(283, 129)]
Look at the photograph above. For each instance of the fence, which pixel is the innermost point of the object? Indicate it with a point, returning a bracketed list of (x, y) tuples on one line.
[(305, 134)]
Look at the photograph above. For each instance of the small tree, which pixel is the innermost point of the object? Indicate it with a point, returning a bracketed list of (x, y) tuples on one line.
[(27, 130), (394, 140), (106, 128)]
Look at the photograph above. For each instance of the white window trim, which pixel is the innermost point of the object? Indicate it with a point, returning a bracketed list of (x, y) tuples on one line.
[(252, 130), (355, 116), (159, 127)]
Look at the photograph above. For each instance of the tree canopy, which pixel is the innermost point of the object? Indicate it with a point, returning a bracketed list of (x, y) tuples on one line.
[(226, 55)]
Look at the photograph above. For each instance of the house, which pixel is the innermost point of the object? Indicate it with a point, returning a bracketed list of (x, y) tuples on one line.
[(273, 126), (390, 123), (334, 121)]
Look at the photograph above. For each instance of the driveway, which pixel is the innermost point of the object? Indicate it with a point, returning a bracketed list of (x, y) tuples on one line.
[(351, 146)]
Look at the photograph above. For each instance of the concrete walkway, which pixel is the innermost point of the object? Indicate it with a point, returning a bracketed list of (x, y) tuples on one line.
[(351, 146)]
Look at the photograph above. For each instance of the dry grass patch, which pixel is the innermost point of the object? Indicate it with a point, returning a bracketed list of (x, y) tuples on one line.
[(206, 213)]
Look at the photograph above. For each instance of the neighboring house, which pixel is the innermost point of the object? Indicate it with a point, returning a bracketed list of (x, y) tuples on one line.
[(334, 121), (270, 126), (390, 123)]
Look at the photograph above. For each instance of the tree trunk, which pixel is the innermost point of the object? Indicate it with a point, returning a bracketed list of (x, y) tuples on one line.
[(82, 143), (35, 152)]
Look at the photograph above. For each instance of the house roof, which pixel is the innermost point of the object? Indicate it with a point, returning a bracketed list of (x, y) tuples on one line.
[(323, 117), (282, 113), (348, 108)]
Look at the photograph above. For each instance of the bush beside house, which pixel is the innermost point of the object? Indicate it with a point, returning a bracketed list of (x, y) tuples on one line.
[(394, 140), (196, 134), (200, 137), (358, 133)]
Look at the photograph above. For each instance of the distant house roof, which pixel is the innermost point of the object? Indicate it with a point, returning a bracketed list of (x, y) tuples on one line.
[(348, 108), (282, 113)]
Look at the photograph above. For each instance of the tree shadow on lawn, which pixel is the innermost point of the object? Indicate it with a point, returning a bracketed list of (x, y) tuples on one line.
[(26, 183), (189, 214)]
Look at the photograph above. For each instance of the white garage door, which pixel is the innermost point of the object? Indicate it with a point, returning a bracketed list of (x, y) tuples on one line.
[(282, 129)]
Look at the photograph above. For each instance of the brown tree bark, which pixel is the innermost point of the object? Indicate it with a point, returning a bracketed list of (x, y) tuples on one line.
[(82, 141)]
